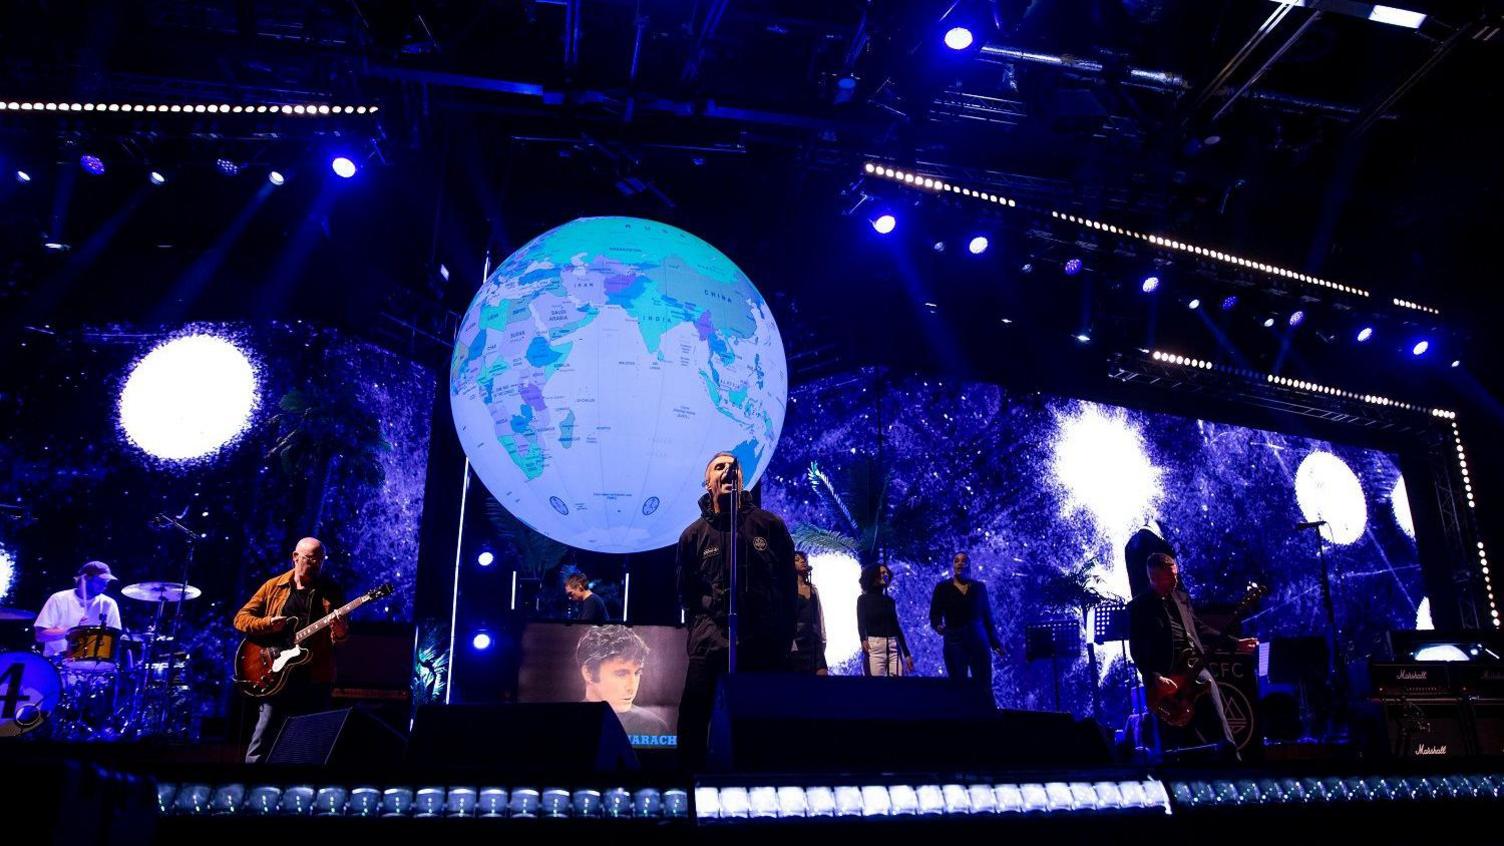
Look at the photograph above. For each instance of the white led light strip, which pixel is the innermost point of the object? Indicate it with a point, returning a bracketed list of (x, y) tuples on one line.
[(1417, 306), (1467, 488), (1302, 385), (917, 180), (305, 109)]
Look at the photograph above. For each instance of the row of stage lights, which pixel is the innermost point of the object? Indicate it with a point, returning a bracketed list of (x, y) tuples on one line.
[(887, 223), (726, 804), (301, 109), (342, 166), (1298, 384), (1467, 489)]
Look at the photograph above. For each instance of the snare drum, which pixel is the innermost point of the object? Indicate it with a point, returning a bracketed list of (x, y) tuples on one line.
[(29, 690), (92, 648)]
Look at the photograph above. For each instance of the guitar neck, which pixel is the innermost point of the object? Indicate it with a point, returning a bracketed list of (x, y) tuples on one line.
[(314, 628)]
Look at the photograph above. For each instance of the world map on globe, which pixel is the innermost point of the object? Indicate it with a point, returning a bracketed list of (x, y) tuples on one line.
[(598, 369)]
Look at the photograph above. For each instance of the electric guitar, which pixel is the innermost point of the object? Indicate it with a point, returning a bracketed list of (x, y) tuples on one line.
[(1179, 708), (262, 671)]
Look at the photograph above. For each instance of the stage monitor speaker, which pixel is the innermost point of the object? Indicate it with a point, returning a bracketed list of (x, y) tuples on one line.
[(1488, 727), (560, 737), (1426, 729), (800, 722), (347, 737)]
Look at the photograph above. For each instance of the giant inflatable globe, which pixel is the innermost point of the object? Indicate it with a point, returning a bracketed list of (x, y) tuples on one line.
[(599, 368)]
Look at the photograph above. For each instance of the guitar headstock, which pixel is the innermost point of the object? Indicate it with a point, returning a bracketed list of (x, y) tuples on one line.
[(380, 591)]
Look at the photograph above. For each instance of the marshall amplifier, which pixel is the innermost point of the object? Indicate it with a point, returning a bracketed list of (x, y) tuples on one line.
[(1488, 727), (1410, 680), (1425, 729), (1479, 679)]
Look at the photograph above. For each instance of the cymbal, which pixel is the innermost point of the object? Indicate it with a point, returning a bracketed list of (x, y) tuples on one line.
[(160, 591), (7, 614)]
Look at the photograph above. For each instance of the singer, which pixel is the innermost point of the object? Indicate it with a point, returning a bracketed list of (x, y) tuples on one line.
[(767, 594)]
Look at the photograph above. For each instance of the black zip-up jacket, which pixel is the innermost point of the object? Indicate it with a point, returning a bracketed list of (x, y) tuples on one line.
[(769, 584)]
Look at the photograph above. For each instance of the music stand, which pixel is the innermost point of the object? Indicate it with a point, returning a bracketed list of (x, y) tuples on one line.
[(1111, 622), (1053, 639)]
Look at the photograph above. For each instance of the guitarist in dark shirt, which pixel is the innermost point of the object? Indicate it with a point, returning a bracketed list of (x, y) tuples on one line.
[(279, 609), (1163, 626)]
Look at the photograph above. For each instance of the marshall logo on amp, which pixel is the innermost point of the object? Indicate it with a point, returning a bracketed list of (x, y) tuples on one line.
[(1424, 750), (1413, 675)]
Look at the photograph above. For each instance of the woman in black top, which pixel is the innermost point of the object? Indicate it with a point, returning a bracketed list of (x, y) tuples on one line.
[(884, 650), (808, 654)]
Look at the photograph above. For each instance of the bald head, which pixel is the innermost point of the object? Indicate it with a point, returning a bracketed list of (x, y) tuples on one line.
[(307, 558)]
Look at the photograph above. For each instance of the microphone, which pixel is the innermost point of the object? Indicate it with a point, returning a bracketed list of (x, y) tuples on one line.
[(1311, 525)]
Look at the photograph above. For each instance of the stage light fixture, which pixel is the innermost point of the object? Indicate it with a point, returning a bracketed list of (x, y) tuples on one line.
[(276, 178), (884, 224), (485, 558), (1194, 304), (1083, 338), (91, 164), (1420, 348), (959, 38), (1073, 267), (1150, 284), (1230, 302), (978, 245), (156, 178), (23, 177), (1364, 334), (1268, 323), (1297, 317), (1456, 362), (343, 167), (227, 166), (481, 641)]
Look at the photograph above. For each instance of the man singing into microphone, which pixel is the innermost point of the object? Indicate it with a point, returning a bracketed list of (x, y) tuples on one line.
[(766, 596)]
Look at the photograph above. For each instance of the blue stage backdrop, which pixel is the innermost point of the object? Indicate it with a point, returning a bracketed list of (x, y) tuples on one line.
[(334, 443), (1044, 493)]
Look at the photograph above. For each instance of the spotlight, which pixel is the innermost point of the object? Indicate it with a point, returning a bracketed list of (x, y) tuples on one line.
[(91, 164), (939, 246), (1073, 267), (1194, 304), (23, 177), (481, 641), (485, 558), (1269, 323), (1297, 317), (343, 167), (1420, 348), (56, 246), (882, 224), (157, 178), (1230, 302), (1456, 362), (1083, 338), (276, 178), (1151, 283), (1364, 334), (958, 38), (227, 167), (978, 245)]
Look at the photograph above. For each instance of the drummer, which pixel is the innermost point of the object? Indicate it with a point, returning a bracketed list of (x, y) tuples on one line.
[(84, 605)]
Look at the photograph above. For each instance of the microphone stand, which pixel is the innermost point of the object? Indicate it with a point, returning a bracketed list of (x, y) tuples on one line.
[(148, 653), (733, 623), (1336, 664)]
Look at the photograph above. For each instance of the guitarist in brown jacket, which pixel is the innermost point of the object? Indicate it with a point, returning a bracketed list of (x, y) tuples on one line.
[(1163, 627), (279, 608)]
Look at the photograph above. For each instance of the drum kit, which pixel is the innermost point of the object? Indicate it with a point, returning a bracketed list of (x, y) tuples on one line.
[(106, 684)]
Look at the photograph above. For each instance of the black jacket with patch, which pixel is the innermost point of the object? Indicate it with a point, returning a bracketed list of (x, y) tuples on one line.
[(769, 586)]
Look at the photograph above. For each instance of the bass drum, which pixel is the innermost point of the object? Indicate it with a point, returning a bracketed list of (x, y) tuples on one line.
[(30, 688)]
